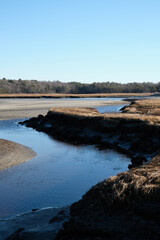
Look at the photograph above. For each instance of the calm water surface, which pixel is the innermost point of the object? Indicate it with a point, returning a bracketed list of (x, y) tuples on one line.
[(110, 108), (59, 175)]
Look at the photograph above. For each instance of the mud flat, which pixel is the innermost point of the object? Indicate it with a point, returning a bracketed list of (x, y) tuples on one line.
[(27, 108), (12, 153), (125, 206)]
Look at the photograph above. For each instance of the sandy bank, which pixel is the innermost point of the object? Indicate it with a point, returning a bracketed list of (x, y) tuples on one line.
[(12, 153), (26, 108)]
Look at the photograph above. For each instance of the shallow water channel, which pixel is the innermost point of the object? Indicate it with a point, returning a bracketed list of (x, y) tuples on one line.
[(59, 175)]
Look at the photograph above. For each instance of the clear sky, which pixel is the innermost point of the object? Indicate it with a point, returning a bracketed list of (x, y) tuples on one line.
[(80, 40)]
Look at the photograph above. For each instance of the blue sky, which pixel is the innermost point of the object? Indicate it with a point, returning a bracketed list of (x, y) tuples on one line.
[(80, 40)]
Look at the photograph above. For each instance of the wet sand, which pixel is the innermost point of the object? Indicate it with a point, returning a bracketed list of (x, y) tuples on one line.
[(26, 108), (12, 153)]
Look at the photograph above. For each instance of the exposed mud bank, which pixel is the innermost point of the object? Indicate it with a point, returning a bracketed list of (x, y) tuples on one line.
[(132, 136)]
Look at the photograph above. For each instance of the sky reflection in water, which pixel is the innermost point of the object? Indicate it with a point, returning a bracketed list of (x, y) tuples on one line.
[(59, 175)]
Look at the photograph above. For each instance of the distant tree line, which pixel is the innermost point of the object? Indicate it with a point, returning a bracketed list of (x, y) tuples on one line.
[(34, 86)]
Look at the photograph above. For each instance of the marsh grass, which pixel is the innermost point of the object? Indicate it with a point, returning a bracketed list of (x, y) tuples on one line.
[(148, 107), (127, 115), (128, 203), (61, 95)]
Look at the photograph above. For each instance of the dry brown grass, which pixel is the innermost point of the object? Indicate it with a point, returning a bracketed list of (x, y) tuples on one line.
[(91, 112), (129, 200), (85, 112), (60, 95), (125, 189), (149, 107), (120, 204), (143, 181)]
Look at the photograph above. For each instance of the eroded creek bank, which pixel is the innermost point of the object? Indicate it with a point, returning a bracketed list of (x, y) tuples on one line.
[(134, 137), (122, 207), (125, 206)]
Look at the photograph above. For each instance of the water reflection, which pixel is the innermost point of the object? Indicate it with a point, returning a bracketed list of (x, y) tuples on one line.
[(59, 175)]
